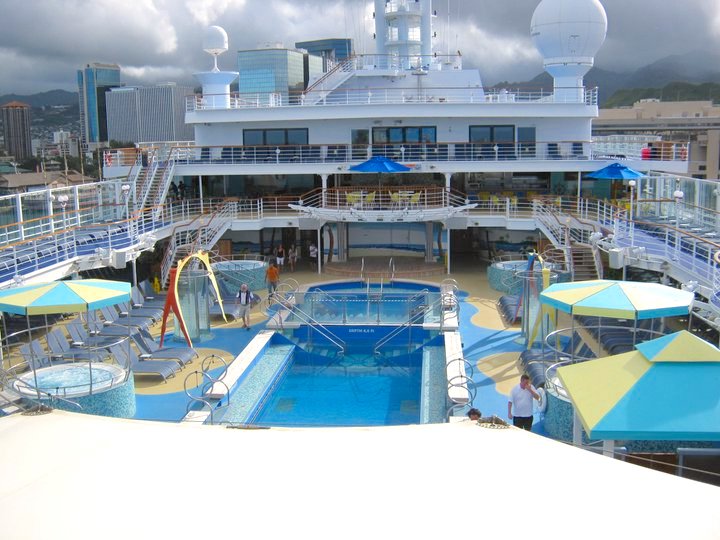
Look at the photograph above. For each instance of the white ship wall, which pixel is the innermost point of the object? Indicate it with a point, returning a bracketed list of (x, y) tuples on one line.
[(448, 129)]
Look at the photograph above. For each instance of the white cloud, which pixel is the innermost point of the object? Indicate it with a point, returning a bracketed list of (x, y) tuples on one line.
[(44, 42)]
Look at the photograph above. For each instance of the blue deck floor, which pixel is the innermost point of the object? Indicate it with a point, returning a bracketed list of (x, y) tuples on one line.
[(478, 342)]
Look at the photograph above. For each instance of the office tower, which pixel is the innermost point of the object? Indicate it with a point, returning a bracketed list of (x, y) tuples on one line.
[(93, 81), (16, 129), (331, 50), (148, 113), (273, 69)]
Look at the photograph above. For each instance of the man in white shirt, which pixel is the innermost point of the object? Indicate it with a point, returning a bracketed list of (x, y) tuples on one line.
[(245, 299), (520, 405)]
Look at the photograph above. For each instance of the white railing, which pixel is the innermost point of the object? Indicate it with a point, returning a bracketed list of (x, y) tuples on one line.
[(393, 96)]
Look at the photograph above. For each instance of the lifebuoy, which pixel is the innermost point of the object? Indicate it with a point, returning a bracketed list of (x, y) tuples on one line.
[(540, 404), (108, 159), (683, 153)]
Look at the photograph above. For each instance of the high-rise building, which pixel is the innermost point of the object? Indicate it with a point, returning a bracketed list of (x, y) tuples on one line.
[(148, 113), (16, 129), (330, 50), (272, 70), (93, 81)]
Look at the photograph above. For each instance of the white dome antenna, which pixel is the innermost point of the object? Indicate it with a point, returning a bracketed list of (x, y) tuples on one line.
[(568, 34), (215, 42)]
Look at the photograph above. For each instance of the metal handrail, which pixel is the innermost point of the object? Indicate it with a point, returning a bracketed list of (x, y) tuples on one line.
[(208, 382), (412, 319), (291, 307), (464, 380)]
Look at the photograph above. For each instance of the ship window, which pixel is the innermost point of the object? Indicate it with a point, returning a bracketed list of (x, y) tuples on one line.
[(399, 135), (360, 136), (275, 136), (253, 137), (492, 134), (278, 137), (297, 136)]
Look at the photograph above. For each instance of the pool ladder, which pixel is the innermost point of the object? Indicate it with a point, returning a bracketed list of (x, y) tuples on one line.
[(208, 381), (462, 380)]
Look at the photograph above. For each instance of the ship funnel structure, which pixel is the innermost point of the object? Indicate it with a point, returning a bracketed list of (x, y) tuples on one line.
[(216, 83), (403, 32), (568, 34)]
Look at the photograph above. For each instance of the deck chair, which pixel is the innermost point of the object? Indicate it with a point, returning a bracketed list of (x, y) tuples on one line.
[(149, 349), (369, 200), (34, 354), (128, 358), (60, 348), (415, 199), (154, 313), (113, 317), (140, 300), (394, 199), (80, 336)]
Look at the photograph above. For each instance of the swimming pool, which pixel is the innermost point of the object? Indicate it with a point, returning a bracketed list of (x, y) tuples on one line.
[(345, 354), (356, 303), (304, 385)]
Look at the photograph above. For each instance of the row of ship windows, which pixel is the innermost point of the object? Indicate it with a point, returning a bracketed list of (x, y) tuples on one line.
[(392, 135)]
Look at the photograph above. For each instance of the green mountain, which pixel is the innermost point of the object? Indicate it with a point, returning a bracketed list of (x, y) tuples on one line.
[(52, 98), (675, 91)]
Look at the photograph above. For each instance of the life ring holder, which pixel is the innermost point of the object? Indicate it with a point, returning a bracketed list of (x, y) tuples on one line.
[(540, 405), (716, 257)]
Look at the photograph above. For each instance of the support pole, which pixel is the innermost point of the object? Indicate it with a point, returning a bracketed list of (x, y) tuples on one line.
[(319, 255), (577, 429), (200, 193)]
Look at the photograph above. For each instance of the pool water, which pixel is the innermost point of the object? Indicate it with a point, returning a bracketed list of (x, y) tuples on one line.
[(344, 395), (73, 379)]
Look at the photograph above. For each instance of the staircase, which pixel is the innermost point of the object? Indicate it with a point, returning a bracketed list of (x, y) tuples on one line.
[(202, 233), (321, 88), (584, 263)]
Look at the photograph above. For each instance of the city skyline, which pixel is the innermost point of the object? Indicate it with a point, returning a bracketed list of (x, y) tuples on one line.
[(161, 40)]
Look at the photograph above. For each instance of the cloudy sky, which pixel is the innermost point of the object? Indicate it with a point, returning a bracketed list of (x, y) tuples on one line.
[(44, 42)]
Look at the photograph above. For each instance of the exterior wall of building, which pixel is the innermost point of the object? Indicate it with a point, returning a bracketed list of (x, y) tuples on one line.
[(16, 130), (334, 48), (695, 121), (93, 81), (271, 71), (150, 113)]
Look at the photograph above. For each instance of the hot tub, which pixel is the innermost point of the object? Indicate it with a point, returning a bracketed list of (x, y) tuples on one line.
[(101, 389)]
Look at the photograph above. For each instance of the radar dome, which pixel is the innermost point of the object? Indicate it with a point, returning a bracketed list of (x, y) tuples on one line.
[(568, 31), (215, 40)]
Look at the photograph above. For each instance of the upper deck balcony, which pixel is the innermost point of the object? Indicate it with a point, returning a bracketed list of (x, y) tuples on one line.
[(388, 96), (420, 85)]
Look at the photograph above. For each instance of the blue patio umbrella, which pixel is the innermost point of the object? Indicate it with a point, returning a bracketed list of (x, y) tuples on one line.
[(615, 171), (380, 164)]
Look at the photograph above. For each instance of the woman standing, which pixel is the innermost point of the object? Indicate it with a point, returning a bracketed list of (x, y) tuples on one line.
[(292, 257)]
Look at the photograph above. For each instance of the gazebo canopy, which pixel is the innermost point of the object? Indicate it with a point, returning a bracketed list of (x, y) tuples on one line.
[(63, 296), (667, 389), (618, 299)]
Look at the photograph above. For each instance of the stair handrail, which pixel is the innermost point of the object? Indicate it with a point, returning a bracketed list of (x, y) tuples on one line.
[(165, 180), (289, 305), (412, 319), (208, 382), (340, 66)]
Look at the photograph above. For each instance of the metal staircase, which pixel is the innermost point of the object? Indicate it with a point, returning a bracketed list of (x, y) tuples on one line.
[(202, 233), (585, 262), (570, 235), (280, 305), (320, 89)]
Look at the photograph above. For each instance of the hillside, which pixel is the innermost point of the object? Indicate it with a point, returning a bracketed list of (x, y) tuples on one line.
[(52, 98)]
